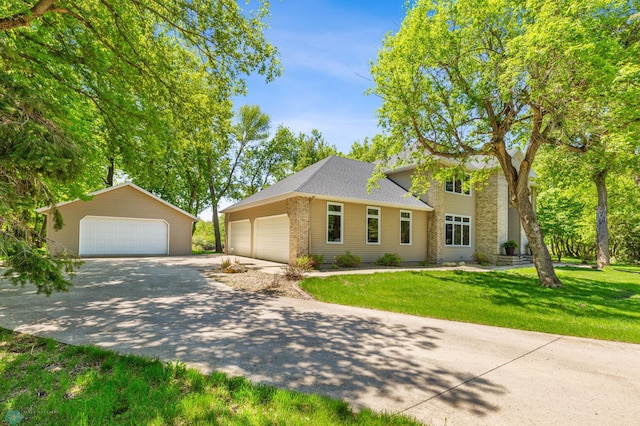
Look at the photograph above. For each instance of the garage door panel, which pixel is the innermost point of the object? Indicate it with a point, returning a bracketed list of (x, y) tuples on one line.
[(240, 238), (123, 236), (272, 238)]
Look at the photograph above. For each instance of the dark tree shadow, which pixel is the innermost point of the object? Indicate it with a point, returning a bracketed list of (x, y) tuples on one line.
[(172, 312)]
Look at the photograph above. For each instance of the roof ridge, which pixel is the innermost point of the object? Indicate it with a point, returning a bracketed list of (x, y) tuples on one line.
[(320, 165)]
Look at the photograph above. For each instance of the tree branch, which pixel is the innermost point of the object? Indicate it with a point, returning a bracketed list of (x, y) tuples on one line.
[(23, 19)]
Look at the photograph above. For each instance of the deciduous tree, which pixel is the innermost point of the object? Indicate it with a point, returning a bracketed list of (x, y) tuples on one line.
[(463, 78)]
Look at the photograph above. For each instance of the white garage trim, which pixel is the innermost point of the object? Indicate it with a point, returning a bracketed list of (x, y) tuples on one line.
[(271, 238), (240, 238), (120, 236)]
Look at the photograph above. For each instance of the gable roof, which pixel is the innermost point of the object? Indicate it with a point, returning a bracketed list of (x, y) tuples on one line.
[(338, 179), (115, 188)]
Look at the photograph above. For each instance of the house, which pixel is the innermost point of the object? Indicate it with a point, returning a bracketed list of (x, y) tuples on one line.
[(123, 220), (327, 210)]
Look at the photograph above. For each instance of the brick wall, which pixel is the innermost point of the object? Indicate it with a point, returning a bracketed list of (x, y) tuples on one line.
[(298, 209), (492, 216)]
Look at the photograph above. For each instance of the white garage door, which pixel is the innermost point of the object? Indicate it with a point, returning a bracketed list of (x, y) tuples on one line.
[(240, 238), (272, 238), (119, 236)]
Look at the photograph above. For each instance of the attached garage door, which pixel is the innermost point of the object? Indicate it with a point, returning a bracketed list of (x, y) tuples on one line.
[(240, 238), (272, 238), (119, 236)]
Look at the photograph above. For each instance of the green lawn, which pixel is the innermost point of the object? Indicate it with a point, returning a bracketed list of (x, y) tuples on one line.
[(592, 303), (49, 383)]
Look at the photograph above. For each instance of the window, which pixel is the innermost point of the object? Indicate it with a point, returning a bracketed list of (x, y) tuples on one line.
[(373, 225), (457, 231), (334, 223), (405, 227), (458, 186)]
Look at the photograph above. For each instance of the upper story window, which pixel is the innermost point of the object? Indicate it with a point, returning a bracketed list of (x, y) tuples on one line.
[(405, 227), (457, 230), (458, 186), (335, 227), (373, 225)]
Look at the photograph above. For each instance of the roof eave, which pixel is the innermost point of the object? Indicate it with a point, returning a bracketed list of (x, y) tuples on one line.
[(282, 197)]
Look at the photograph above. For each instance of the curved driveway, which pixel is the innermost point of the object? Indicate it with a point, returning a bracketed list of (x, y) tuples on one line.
[(439, 372)]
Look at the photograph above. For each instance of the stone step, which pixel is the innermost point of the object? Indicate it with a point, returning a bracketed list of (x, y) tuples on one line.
[(503, 260)]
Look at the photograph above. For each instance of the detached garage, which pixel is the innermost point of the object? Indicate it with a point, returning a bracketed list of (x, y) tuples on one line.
[(123, 220)]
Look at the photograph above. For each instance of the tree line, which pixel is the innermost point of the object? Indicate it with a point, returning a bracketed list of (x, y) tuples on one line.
[(91, 93)]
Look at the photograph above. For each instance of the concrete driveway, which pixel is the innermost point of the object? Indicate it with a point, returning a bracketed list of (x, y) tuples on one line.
[(439, 372)]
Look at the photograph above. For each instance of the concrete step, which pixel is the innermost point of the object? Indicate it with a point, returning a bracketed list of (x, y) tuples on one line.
[(503, 260)]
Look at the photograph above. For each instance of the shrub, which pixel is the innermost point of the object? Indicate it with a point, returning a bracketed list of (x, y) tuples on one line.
[(510, 243), (389, 259), (226, 262), (347, 260), (309, 262), (294, 273), (481, 258)]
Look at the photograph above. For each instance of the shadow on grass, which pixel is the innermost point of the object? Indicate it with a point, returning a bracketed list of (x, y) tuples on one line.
[(584, 293), (138, 306), (51, 383)]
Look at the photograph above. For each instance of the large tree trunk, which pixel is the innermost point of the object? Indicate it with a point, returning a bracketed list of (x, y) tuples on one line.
[(541, 257), (602, 226), (215, 219), (519, 193)]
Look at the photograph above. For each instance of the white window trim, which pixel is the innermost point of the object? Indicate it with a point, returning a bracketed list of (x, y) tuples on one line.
[(459, 223), (410, 220), (341, 214), (462, 181), (366, 222)]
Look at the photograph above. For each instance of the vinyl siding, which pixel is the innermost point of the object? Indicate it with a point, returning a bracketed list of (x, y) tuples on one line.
[(464, 205), (125, 202), (251, 214), (354, 222)]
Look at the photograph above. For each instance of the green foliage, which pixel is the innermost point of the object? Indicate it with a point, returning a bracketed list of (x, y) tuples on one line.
[(510, 244), (481, 258), (310, 149), (25, 264), (463, 78), (58, 384), (369, 151), (309, 262), (592, 303), (347, 260), (90, 91), (389, 259), (204, 238)]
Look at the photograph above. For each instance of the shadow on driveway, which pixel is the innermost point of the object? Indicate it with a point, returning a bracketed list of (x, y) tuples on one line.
[(170, 311)]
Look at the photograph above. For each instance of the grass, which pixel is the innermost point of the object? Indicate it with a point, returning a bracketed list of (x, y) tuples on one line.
[(49, 383), (596, 304)]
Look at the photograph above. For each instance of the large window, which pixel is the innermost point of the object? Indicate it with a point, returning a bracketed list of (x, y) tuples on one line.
[(334, 223), (457, 230), (373, 225), (405, 227), (458, 186)]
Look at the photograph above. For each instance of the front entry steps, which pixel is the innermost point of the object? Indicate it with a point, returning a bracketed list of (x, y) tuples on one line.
[(523, 259)]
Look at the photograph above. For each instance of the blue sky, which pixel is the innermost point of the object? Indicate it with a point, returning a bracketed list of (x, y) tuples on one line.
[(326, 47)]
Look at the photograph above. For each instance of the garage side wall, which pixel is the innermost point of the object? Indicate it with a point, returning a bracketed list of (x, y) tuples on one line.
[(272, 209), (355, 233), (123, 202)]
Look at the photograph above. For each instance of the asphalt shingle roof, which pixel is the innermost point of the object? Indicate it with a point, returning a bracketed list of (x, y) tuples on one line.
[(339, 178)]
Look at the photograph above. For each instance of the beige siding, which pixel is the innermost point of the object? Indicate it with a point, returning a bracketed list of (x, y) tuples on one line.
[(251, 214), (354, 222), (121, 202), (465, 205)]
